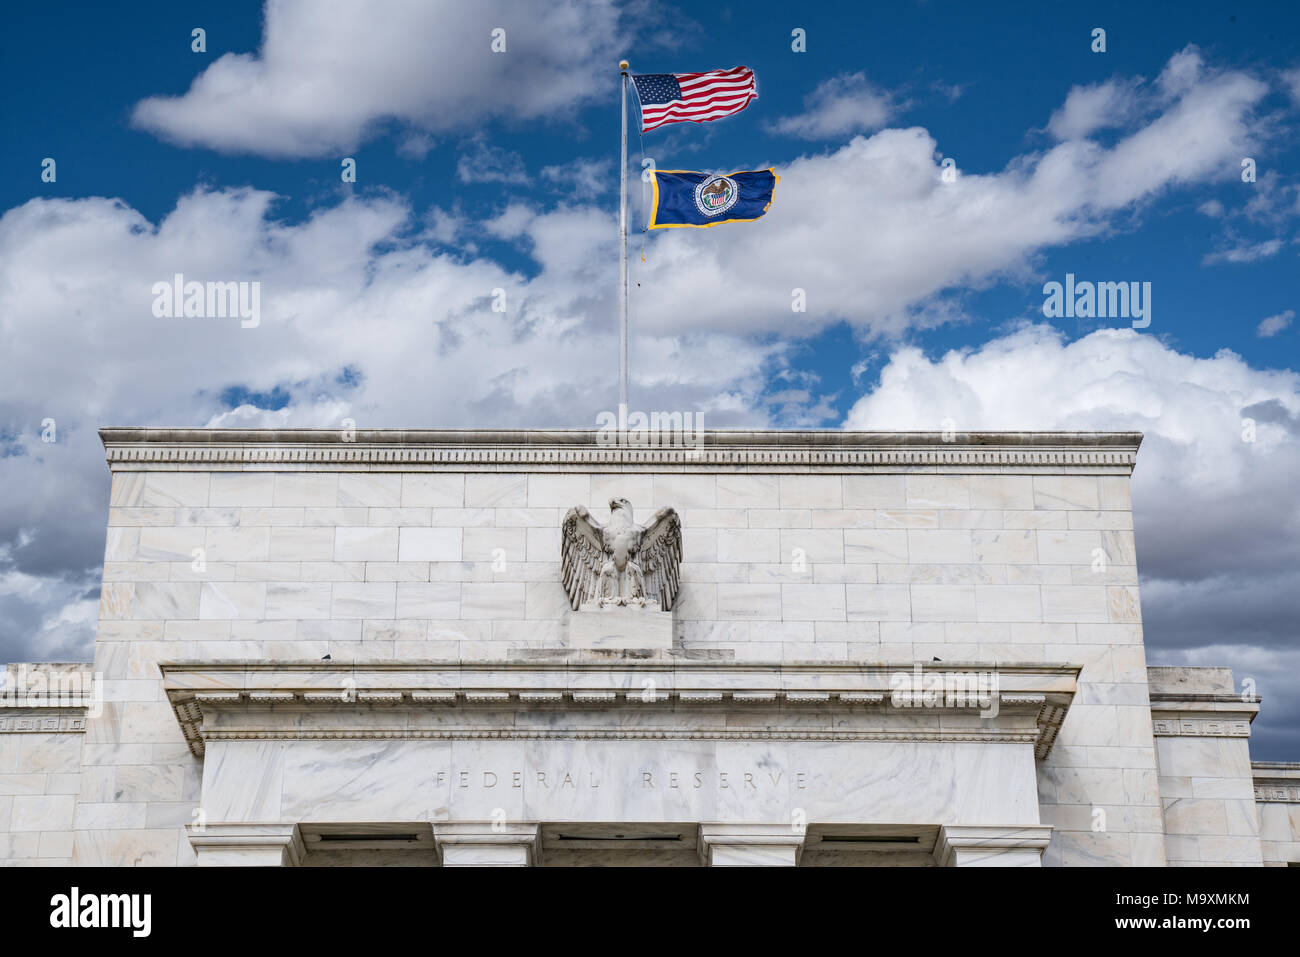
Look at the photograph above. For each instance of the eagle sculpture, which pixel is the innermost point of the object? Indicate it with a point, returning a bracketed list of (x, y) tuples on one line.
[(621, 563)]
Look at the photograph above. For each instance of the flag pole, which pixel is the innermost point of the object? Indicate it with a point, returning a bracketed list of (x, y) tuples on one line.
[(622, 257)]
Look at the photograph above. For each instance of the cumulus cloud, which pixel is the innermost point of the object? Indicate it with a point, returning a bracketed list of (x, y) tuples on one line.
[(361, 318), (1217, 520), (874, 236), (869, 230), (330, 73), (842, 106), (375, 313)]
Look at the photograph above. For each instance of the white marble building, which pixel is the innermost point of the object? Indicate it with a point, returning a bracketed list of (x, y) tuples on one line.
[(318, 648)]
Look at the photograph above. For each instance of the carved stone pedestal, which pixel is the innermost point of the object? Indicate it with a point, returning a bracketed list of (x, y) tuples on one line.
[(614, 626)]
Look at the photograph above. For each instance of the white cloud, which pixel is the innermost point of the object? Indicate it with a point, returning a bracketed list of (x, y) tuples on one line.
[(1244, 252), (1217, 518), (875, 237), (1193, 461), (329, 73), (1200, 135), (868, 230), (511, 222), (1291, 79), (348, 296), (586, 177), (445, 227), (1272, 202), (841, 106), (1184, 69), (481, 162), (414, 145), (1272, 325), (951, 91), (1090, 108)]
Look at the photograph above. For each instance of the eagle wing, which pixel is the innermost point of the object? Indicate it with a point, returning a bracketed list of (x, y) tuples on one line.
[(582, 553), (661, 557)]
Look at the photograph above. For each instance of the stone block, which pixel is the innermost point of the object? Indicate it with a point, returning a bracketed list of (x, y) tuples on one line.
[(427, 545), (368, 544)]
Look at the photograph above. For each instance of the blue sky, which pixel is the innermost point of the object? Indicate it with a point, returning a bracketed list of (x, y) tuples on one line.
[(479, 171), (1012, 70)]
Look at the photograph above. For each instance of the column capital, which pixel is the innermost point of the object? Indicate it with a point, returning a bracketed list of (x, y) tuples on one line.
[(991, 845), (241, 844), (487, 844), (750, 845)]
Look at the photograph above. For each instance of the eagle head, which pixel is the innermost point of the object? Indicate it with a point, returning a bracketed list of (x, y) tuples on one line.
[(616, 503)]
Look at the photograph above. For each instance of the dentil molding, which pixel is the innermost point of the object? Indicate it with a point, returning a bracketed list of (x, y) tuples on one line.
[(132, 449)]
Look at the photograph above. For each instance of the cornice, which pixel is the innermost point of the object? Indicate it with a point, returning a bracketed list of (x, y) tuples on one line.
[(1183, 715), (1276, 782), (210, 669), (250, 697), (129, 449)]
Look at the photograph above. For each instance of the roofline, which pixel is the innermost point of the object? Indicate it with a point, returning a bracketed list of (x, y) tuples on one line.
[(821, 438)]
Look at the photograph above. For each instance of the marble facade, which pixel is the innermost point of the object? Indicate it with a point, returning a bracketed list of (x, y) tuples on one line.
[(781, 714)]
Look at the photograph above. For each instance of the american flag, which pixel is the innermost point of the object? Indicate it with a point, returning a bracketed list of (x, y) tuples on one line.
[(698, 97)]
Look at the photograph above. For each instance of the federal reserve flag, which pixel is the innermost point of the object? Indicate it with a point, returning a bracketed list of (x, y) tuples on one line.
[(685, 198)]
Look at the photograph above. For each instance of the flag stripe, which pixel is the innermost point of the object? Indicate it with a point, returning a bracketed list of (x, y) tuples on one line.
[(692, 119), (702, 106), (734, 71), (701, 85), (683, 112), (697, 107), (696, 97), (678, 116)]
